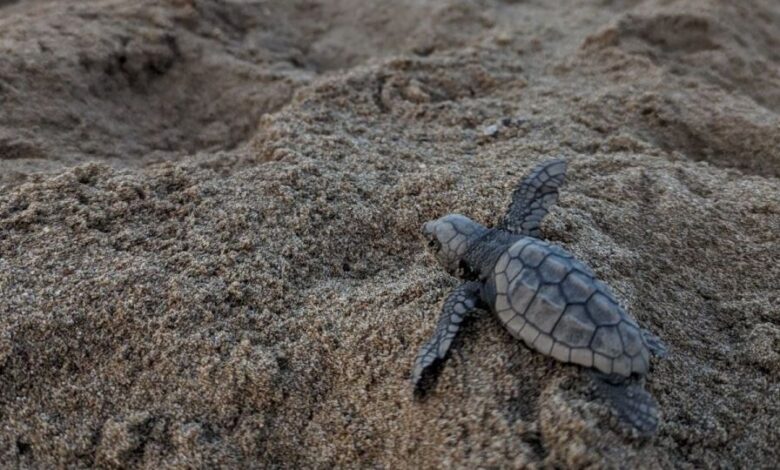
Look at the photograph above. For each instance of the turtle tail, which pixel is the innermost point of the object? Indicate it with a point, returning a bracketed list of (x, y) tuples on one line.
[(632, 403)]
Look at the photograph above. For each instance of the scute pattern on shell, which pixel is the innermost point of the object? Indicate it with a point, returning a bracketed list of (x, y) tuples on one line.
[(555, 305)]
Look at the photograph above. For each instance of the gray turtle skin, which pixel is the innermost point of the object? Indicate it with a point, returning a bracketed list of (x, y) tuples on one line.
[(543, 296)]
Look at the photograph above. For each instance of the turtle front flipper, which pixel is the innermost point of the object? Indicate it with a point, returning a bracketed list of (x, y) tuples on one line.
[(533, 198), (633, 404), (462, 301)]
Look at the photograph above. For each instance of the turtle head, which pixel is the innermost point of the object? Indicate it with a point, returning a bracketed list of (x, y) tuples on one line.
[(450, 238)]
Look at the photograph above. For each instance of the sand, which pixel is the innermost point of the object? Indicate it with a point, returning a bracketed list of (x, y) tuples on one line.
[(210, 211)]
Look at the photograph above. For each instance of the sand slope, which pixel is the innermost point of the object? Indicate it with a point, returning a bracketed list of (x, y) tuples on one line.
[(209, 215)]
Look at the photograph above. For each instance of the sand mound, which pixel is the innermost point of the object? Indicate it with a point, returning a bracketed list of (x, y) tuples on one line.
[(258, 298)]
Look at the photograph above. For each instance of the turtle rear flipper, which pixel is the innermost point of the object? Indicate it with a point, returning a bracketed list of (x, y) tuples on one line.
[(632, 403), (654, 344)]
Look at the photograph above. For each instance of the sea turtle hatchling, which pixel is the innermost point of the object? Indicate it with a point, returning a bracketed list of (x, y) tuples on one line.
[(543, 296)]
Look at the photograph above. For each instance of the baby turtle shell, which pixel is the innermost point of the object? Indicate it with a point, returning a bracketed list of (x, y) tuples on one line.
[(554, 304)]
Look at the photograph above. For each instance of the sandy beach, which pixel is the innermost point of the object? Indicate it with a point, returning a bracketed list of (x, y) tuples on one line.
[(210, 212)]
